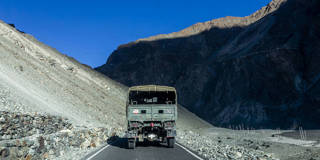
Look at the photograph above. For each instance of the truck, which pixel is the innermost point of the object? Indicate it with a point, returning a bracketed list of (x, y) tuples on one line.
[(151, 112)]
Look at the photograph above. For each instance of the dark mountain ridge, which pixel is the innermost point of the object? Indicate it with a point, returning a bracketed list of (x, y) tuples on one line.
[(258, 71)]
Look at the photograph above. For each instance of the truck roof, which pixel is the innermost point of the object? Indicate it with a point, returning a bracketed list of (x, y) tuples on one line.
[(152, 88)]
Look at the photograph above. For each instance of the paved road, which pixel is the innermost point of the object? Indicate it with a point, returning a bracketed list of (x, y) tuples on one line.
[(118, 151)]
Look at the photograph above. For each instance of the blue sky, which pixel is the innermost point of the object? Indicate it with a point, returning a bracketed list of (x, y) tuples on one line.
[(90, 30)]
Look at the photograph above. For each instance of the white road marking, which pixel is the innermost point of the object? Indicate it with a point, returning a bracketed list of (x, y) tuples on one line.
[(98, 152), (92, 156), (189, 151)]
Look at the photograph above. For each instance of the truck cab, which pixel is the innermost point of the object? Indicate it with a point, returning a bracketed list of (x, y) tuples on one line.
[(151, 113)]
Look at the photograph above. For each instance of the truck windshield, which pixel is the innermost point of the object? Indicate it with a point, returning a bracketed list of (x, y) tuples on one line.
[(152, 97)]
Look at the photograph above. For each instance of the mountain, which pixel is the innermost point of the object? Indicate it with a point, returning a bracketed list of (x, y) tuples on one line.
[(53, 107), (256, 71)]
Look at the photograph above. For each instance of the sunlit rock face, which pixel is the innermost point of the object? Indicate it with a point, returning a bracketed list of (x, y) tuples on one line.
[(259, 71)]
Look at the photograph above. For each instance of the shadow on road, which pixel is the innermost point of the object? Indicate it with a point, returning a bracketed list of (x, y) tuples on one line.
[(122, 143)]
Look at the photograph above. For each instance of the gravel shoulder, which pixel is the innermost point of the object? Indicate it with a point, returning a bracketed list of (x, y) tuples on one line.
[(309, 135), (259, 144)]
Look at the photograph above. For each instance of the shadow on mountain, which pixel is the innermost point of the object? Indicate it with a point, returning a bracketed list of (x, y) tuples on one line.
[(264, 75)]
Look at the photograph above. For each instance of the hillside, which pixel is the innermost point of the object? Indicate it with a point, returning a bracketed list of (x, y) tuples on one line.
[(250, 71), (53, 107), (46, 96)]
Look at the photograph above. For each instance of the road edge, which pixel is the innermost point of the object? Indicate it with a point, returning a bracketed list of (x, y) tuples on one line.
[(190, 151), (95, 152)]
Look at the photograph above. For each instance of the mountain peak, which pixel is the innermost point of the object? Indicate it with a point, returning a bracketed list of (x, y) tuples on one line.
[(224, 22)]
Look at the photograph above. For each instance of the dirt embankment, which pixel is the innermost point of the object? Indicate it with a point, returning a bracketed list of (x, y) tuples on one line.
[(51, 105)]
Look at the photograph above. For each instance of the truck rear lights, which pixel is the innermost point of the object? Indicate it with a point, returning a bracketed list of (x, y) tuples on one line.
[(152, 124), (168, 124), (135, 111)]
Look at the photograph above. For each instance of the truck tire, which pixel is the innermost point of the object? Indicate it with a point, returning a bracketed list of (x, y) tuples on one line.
[(131, 144), (170, 142)]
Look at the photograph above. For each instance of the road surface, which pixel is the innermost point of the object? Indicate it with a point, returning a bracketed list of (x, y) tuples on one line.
[(119, 151)]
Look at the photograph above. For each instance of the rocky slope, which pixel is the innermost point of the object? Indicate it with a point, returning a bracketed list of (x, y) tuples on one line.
[(51, 105), (252, 71)]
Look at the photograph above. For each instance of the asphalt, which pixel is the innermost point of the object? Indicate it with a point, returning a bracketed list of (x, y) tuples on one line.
[(143, 151)]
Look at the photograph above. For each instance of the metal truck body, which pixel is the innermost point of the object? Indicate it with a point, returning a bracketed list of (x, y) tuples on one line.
[(151, 114)]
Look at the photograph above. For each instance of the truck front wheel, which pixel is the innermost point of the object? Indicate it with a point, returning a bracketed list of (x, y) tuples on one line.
[(170, 142)]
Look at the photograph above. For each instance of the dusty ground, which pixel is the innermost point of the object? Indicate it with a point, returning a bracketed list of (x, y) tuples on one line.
[(310, 135), (279, 143)]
